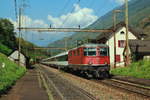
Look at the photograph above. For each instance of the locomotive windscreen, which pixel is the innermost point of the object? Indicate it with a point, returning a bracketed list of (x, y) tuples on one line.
[(89, 51), (103, 51)]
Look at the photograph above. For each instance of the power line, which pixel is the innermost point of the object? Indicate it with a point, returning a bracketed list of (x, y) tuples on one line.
[(64, 7), (69, 15), (97, 13), (16, 13)]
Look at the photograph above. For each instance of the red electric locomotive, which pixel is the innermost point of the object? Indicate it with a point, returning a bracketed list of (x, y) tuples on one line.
[(92, 59)]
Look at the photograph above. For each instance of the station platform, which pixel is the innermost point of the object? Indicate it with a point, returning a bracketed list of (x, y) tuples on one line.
[(27, 88)]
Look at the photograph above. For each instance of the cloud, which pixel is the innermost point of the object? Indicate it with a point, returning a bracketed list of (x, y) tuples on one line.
[(29, 22), (29, 35), (79, 16)]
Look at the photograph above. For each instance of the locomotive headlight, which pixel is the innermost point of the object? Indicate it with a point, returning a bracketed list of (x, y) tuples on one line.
[(105, 63), (90, 63)]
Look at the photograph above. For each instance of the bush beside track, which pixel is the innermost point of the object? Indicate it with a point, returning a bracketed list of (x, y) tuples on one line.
[(9, 74), (139, 69), (4, 49)]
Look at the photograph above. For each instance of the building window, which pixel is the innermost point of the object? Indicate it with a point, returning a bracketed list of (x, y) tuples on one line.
[(121, 43), (118, 58), (122, 32)]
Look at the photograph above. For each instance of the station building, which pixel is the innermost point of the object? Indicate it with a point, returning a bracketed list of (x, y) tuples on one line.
[(120, 33)]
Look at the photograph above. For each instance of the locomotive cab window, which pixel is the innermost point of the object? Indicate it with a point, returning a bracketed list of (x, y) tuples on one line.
[(89, 51), (103, 51)]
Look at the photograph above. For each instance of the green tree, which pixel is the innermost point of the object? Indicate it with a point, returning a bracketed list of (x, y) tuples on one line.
[(7, 34)]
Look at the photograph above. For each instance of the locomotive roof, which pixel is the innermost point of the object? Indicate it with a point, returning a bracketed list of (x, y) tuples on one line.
[(94, 45), (58, 55), (91, 45)]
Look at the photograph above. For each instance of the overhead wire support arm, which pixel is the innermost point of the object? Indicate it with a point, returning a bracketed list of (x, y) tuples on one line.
[(45, 48), (64, 29)]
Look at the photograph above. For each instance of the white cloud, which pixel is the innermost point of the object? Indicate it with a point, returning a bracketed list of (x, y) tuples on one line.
[(80, 16), (29, 22), (28, 35)]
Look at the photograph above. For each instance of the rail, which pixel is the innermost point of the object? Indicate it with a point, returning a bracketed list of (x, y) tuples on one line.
[(128, 86)]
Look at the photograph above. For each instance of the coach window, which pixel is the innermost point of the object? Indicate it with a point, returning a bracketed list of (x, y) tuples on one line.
[(103, 51)]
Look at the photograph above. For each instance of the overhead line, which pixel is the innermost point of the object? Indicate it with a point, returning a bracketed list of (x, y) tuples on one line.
[(64, 7), (16, 13), (70, 12), (64, 29), (45, 48)]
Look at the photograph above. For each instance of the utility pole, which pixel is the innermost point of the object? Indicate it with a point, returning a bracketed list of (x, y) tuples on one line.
[(114, 24), (127, 30), (19, 38)]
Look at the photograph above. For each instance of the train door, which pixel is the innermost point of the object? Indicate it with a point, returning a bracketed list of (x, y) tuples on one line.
[(70, 57), (79, 58)]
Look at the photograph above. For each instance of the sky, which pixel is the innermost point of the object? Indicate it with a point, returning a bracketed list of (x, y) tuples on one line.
[(57, 13)]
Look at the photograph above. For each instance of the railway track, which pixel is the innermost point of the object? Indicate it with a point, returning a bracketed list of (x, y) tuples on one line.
[(127, 86), (62, 89)]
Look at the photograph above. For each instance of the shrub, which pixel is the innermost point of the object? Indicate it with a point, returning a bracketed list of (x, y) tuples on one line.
[(140, 69), (4, 49), (10, 73)]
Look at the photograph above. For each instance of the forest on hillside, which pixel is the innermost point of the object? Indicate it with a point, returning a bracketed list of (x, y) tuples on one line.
[(9, 41)]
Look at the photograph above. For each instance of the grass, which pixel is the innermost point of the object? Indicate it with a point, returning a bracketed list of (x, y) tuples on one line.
[(140, 69), (4, 49), (9, 74)]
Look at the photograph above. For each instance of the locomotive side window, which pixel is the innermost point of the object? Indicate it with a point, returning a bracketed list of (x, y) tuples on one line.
[(89, 51), (74, 53), (71, 53), (103, 51), (78, 52), (85, 51)]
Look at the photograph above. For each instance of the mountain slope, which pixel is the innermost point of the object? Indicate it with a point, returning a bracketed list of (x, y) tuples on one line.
[(138, 13)]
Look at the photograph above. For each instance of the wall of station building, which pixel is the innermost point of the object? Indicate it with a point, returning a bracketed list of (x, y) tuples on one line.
[(119, 50)]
